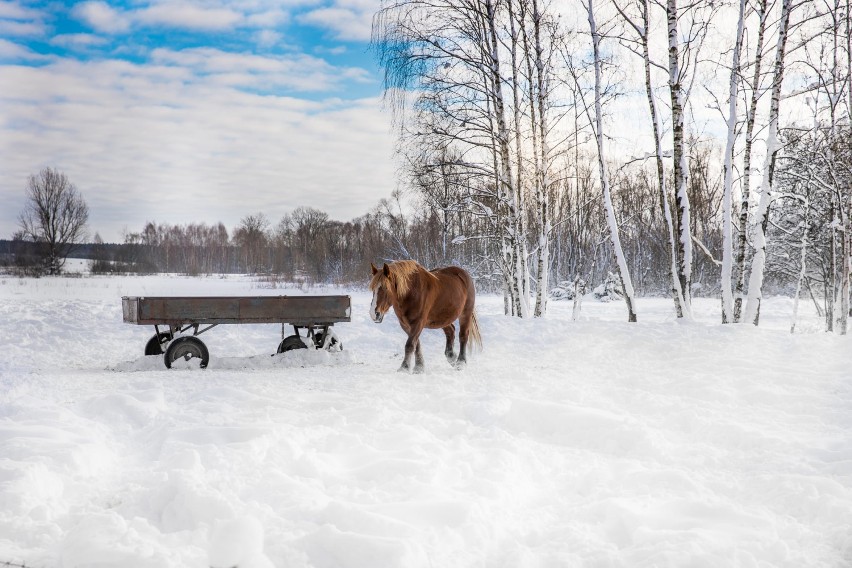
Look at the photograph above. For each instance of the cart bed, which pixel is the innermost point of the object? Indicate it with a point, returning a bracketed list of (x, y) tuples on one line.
[(177, 311)]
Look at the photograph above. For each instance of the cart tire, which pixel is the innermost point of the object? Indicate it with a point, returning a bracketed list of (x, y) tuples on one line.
[(187, 347), (291, 342), (155, 344), (320, 339)]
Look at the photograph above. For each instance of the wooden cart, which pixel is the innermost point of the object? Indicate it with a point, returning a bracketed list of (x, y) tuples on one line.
[(178, 321)]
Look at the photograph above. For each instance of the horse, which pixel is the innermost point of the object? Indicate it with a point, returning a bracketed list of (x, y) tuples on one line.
[(432, 299)]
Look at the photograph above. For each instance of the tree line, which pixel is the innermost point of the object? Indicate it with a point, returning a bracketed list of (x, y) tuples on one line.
[(308, 246)]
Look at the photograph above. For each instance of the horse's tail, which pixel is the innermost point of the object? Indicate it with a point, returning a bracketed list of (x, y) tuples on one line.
[(473, 332)]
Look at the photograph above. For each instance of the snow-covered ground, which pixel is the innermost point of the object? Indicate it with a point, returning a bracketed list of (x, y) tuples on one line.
[(588, 443)]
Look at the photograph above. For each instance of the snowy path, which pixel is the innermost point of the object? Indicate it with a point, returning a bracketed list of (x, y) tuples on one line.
[(590, 443)]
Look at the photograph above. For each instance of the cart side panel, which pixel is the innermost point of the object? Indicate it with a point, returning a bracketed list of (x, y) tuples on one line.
[(190, 309), (296, 309)]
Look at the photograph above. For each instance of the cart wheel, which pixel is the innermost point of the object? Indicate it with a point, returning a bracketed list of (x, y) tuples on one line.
[(335, 344), (155, 344), (291, 342), (186, 348)]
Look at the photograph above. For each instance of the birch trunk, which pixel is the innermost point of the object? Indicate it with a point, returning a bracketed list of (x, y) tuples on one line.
[(665, 208), (727, 199), (506, 181), (501, 218), (518, 214), (681, 166), (531, 86), (758, 264), (746, 184), (543, 169), (615, 239)]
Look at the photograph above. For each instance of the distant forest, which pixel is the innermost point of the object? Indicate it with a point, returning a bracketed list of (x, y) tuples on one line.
[(307, 246)]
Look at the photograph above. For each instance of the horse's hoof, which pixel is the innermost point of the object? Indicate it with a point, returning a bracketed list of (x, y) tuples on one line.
[(460, 365), (403, 369), (419, 370)]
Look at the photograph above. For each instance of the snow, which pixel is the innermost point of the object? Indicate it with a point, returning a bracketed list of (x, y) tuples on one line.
[(563, 443)]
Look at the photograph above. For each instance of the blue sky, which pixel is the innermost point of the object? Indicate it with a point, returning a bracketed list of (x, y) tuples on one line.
[(181, 111)]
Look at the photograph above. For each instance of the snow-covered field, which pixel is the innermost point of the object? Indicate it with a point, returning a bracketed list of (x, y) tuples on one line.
[(588, 443)]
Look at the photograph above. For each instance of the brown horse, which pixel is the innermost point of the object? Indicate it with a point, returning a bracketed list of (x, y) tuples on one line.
[(426, 299)]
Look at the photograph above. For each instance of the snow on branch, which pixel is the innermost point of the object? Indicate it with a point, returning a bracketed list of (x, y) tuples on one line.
[(706, 251)]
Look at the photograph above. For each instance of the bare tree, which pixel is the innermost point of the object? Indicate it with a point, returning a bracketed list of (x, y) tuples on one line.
[(55, 216), (755, 284), (762, 10), (252, 238), (615, 238), (683, 57), (728, 200)]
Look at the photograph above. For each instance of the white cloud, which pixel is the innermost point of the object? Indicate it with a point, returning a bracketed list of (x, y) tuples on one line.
[(181, 15), (20, 21), (78, 41), (15, 11), (345, 23), (158, 142), (267, 18), (297, 72), (346, 19), (102, 17), (10, 28), (336, 50), (267, 38), (189, 16), (13, 51)]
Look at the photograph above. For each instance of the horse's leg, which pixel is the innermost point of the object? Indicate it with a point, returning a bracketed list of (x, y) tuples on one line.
[(412, 345), (409, 349), (450, 332), (464, 329), (407, 329), (418, 358)]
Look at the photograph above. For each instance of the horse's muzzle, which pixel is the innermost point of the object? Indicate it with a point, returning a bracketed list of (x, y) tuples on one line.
[(378, 316)]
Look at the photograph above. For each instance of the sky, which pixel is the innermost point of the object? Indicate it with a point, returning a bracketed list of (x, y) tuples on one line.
[(180, 111)]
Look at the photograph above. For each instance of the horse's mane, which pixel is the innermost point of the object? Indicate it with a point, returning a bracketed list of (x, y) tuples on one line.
[(400, 272)]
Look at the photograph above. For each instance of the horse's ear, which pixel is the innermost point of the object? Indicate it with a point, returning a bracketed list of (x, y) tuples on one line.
[(373, 268), (386, 269)]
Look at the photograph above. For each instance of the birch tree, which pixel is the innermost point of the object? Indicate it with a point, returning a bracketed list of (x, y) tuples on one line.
[(541, 126), (680, 157), (612, 223), (762, 11), (756, 275), (680, 68), (727, 200)]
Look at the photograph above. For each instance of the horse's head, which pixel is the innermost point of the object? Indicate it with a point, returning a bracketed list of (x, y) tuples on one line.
[(382, 289)]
